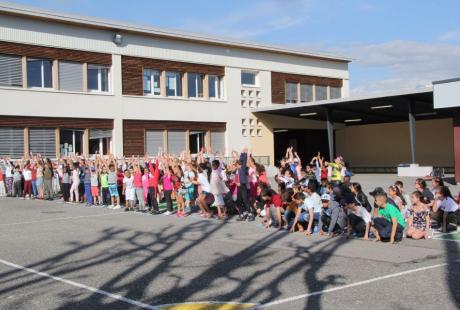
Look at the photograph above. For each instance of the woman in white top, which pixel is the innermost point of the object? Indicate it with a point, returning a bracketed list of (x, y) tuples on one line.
[(218, 188), (445, 210), (129, 191), (205, 199), (27, 174), (74, 194)]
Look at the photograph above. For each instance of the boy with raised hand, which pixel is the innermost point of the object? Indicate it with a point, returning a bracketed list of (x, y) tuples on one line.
[(390, 224)]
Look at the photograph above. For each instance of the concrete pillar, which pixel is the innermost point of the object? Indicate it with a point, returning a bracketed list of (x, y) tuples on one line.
[(413, 133), (58, 143), (330, 134), (26, 142), (456, 128), (117, 138), (117, 133), (86, 142)]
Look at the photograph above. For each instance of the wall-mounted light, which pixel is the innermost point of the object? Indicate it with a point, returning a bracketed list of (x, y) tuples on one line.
[(118, 38), (308, 114), (354, 120), (382, 107)]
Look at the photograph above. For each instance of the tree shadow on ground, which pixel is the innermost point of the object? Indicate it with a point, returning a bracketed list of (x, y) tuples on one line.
[(453, 270), (253, 270)]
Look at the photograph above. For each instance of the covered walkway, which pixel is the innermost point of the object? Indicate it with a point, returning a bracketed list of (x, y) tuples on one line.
[(403, 107)]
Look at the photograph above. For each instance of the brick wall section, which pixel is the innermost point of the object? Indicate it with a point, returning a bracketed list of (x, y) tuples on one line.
[(134, 132), (279, 80), (132, 71), (55, 122), (54, 53)]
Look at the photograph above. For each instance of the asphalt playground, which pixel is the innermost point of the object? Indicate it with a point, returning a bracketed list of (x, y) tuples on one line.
[(61, 256)]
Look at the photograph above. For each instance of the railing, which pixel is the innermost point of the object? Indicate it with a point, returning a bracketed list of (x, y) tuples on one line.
[(389, 170), (263, 160)]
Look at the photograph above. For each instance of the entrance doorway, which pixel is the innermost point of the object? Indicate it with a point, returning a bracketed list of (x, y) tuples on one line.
[(71, 141), (197, 141), (306, 142)]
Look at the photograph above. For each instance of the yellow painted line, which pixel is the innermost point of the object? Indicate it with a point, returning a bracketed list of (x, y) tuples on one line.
[(207, 306)]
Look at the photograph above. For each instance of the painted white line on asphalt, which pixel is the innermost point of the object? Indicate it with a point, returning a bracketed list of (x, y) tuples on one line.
[(342, 287), (60, 219), (442, 239), (83, 286), (439, 233)]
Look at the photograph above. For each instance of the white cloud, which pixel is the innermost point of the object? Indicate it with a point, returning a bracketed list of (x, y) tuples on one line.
[(406, 64), (255, 19), (453, 35)]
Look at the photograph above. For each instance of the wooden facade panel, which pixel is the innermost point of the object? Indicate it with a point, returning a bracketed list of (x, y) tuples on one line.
[(134, 132), (52, 122), (54, 53), (132, 71), (279, 80)]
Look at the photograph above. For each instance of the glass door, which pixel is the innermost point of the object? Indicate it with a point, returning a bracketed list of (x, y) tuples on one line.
[(71, 142), (197, 141)]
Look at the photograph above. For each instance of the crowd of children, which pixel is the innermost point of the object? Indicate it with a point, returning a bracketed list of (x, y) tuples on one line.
[(318, 198)]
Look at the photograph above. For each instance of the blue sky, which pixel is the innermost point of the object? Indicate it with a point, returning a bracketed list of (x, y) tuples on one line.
[(394, 44)]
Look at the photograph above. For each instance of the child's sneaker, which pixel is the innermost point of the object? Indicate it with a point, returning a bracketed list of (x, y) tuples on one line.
[(117, 207)]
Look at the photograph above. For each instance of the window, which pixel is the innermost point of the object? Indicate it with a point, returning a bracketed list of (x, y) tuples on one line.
[(215, 87), (12, 142), (196, 141), (154, 141), (335, 92), (39, 73), (10, 70), (151, 82), (71, 141), (100, 141), (320, 92), (43, 141), (70, 76), (291, 93), (218, 141), (176, 141), (195, 85), (306, 93), (173, 84), (248, 78), (98, 78)]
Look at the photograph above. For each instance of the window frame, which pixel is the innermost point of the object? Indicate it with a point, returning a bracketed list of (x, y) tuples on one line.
[(178, 75), (151, 82), (325, 92), (59, 77), (42, 73), (256, 78), (331, 89), (312, 92), (17, 58), (218, 86), (196, 84), (99, 78), (291, 101)]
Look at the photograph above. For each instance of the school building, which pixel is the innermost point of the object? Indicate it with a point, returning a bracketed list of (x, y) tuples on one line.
[(74, 84)]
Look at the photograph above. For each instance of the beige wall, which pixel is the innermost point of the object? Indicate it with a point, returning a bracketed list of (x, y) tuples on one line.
[(264, 145), (389, 144)]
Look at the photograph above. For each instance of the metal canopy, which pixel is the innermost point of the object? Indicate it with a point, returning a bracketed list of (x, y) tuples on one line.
[(380, 108)]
